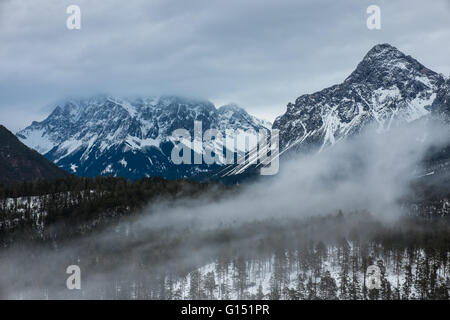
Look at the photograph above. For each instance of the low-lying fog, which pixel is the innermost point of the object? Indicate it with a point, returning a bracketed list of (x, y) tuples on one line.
[(369, 173)]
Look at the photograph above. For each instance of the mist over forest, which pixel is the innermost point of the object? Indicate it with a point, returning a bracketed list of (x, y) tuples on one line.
[(224, 150), (310, 233)]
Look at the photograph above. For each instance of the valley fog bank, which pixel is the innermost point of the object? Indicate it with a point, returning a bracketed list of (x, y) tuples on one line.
[(369, 172)]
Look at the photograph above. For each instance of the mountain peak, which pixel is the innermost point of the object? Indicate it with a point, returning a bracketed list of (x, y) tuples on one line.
[(384, 51), (129, 137), (385, 64), (232, 107), (386, 88)]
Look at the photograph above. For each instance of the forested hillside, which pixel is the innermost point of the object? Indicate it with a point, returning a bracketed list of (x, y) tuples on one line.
[(316, 258), (20, 163), (65, 207)]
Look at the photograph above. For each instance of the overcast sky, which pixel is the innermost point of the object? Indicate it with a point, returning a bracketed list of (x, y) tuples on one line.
[(259, 54)]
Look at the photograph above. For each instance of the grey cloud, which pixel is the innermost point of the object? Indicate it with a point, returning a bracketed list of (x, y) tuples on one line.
[(260, 54)]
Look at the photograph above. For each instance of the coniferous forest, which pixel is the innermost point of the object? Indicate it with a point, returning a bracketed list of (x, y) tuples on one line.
[(60, 208), (46, 226)]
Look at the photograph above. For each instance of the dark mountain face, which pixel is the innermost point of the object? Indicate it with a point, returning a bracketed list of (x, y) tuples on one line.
[(387, 88), (20, 163), (108, 136), (441, 105)]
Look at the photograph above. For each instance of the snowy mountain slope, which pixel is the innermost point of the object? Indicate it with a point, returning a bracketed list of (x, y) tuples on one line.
[(106, 135), (387, 88), (287, 279), (441, 105)]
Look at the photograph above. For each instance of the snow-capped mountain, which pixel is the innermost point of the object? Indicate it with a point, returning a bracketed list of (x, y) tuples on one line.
[(131, 138), (387, 88)]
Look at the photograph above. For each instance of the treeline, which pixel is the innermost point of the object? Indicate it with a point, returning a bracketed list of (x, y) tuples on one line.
[(314, 260), (319, 272), (100, 183), (76, 204)]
